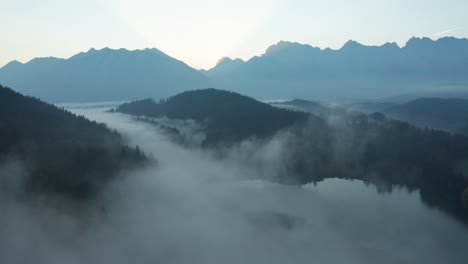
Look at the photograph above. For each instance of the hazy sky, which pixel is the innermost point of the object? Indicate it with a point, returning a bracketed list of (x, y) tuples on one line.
[(200, 32)]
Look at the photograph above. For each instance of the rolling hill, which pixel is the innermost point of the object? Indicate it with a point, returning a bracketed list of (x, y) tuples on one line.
[(226, 116), (304, 105), (449, 114)]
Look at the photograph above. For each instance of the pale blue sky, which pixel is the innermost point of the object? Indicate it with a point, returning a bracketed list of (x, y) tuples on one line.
[(200, 32)]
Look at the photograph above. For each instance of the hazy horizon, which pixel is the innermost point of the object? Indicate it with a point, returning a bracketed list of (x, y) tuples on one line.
[(201, 33), (222, 57)]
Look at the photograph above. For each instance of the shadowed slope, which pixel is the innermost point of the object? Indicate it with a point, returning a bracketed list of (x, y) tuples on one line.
[(61, 153)]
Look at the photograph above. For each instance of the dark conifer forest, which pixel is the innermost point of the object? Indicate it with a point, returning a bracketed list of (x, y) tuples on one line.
[(389, 154), (227, 116), (372, 148), (62, 153)]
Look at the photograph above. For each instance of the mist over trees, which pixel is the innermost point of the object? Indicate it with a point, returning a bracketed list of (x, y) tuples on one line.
[(61, 153), (245, 177), (341, 149), (227, 116), (449, 114), (387, 153), (372, 148)]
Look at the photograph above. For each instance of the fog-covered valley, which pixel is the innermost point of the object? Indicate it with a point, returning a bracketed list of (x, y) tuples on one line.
[(195, 207), (260, 132)]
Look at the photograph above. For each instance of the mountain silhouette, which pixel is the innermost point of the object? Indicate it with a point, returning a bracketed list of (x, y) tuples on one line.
[(289, 69), (102, 75), (285, 70), (224, 66)]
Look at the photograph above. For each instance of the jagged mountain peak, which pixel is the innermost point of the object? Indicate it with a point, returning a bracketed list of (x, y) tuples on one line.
[(351, 44), (225, 60), (283, 46)]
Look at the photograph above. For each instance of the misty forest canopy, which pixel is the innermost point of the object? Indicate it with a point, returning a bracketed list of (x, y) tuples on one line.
[(450, 114), (447, 114), (302, 105), (285, 70), (372, 148), (227, 116), (60, 152)]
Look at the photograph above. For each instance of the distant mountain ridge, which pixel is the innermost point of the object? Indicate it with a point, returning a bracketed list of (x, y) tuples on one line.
[(102, 75), (285, 70), (224, 66), (290, 69)]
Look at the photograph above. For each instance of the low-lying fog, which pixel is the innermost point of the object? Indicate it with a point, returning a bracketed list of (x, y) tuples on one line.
[(192, 208)]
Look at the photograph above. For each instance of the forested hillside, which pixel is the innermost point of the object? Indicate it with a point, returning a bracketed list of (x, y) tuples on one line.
[(227, 116), (386, 153), (62, 153), (372, 148), (449, 114)]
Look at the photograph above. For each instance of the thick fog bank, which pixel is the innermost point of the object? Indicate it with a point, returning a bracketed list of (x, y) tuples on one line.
[(193, 208)]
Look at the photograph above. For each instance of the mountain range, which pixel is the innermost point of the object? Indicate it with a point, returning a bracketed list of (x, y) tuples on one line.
[(292, 69), (102, 75), (285, 70)]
